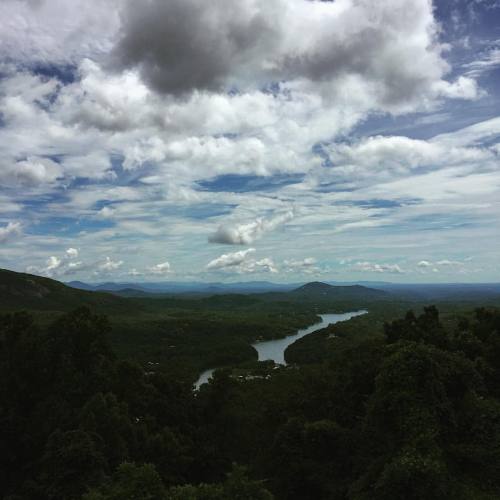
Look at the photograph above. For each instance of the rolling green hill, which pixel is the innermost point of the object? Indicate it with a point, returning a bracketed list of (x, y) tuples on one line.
[(26, 291)]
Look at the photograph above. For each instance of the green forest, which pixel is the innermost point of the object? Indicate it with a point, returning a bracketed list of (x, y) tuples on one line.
[(408, 411)]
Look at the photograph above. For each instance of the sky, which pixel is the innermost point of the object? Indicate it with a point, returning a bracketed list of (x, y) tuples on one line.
[(280, 140)]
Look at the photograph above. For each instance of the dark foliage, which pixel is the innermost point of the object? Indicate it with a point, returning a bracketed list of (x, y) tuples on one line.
[(410, 414)]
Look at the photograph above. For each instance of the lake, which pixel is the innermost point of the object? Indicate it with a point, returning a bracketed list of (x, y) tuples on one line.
[(275, 349)]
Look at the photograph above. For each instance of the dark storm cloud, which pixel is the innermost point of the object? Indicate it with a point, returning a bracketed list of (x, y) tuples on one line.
[(185, 45), (364, 54), (182, 45)]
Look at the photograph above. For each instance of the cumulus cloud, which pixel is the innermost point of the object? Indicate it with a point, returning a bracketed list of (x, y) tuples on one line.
[(373, 267), (72, 253), (11, 230), (53, 263), (30, 172), (106, 212), (379, 158), (160, 269), (307, 265), (390, 47), (265, 265), (229, 259), (247, 233), (440, 265), (109, 265), (59, 266), (463, 88), (67, 264), (241, 263), (48, 31), (425, 264), (251, 131), (181, 46)]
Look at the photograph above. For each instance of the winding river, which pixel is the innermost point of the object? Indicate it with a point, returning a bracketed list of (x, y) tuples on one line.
[(275, 349)]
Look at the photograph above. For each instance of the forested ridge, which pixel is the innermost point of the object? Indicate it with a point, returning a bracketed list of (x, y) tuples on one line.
[(182, 334), (410, 414)]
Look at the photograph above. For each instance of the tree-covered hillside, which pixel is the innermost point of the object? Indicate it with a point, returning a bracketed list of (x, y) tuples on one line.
[(182, 334), (410, 414), (26, 291)]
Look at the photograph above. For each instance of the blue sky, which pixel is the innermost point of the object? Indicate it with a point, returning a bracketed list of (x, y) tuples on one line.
[(285, 140)]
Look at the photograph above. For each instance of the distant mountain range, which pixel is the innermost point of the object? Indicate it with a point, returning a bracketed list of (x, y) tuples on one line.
[(177, 287), (25, 291), (409, 291)]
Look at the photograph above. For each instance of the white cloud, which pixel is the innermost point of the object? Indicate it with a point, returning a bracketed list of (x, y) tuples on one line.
[(135, 273), (379, 158), (265, 265), (425, 264), (48, 31), (10, 231), (482, 131), (307, 265), (72, 253), (377, 268), (325, 88), (446, 262), (30, 172), (93, 165), (160, 269), (229, 259), (443, 265), (241, 263), (487, 61), (463, 88), (247, 233), (60, 266), (53, 263), (106, 212), (459, 184), (110, 265)]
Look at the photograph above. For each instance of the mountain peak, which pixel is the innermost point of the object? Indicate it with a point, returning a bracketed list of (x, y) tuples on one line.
[(315, 286), (316, 289)]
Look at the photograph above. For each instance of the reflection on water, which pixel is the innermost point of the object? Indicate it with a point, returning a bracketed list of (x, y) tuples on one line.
[(204, 377), (275, 349)]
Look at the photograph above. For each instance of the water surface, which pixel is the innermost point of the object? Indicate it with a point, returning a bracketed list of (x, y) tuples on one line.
[(275, 349)]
